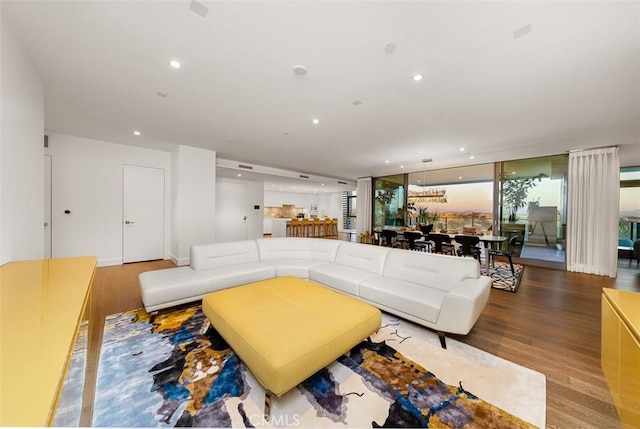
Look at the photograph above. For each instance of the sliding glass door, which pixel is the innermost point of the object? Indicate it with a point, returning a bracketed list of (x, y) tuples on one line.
[(533, 195)]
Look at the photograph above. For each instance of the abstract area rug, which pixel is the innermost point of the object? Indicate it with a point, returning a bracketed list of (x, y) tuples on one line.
[(503, 278), (69, 406), (177, 371)]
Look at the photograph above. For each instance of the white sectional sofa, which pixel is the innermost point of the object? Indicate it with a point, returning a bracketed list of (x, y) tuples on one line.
[(443, 293)]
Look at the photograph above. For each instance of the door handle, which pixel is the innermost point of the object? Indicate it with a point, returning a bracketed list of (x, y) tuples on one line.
[(128, 222)]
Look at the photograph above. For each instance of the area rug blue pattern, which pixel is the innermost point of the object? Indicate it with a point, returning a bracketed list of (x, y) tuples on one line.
[(176, 370)]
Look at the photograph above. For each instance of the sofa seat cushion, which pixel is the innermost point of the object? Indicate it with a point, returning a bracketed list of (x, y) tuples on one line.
[(173, 286), (293, 267), (163, 288), (287, 329), (419, 301), (344, 279)]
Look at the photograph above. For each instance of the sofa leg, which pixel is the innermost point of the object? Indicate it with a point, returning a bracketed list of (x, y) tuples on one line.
[(267, 405), (443, 339), (152, 316)]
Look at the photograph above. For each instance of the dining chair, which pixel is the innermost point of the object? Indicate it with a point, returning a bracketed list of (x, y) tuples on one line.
[(414, 241), (469, 246), (426, 229), (390, 238), (511, 244), (442, 243)]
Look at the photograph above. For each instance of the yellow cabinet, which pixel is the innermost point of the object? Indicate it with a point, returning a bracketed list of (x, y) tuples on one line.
[(620, 353), (42, 304)]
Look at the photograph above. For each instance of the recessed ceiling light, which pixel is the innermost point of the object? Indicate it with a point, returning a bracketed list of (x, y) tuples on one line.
[(471, 157), (419, 181), (322, 184), (402, 166), (461, 149), (239, 175), (417, 77), (316, 121), (299, 70), (459, 177), (273, 185), (389, 48), (386, 161), (137, 133), (175, 64)]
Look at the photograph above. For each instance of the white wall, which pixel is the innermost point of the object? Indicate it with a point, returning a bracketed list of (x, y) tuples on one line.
[(21, 153), (193, 199), (236, 215), (87, 178)]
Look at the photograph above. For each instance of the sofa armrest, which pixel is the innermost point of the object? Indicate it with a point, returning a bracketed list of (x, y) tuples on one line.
[(463, 305)]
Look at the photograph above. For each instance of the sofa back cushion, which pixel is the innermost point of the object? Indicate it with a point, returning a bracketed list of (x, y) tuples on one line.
[(428, 269), (215, 255), (314, 249), (362, 256)]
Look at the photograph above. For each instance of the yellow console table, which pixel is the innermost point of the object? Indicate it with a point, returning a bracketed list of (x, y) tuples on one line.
[(42, 304), (620, 354)]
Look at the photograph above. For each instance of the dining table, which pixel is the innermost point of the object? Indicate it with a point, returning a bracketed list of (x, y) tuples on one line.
[(488, 241)]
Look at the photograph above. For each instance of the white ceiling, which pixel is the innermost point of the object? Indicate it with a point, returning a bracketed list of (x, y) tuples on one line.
[(573, 82)]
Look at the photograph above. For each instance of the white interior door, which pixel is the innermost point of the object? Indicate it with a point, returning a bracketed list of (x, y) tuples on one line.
[(143, 214), (231, 211), (47, 206)]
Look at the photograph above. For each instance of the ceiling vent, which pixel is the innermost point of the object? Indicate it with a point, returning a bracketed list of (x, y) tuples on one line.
[(46, 141), (303, 176), (246, 167), (522, 31), (198, 8), (341, 182)]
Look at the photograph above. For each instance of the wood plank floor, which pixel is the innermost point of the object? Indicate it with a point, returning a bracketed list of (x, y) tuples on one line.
[(551, 325)]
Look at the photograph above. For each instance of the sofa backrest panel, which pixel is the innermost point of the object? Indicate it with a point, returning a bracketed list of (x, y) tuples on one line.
[(362, 256), (428, 269), (284, 248), (205, 256), (324, 250)]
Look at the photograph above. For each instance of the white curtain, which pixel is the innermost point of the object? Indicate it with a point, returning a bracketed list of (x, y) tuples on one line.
[(593, 206), (363, 206)]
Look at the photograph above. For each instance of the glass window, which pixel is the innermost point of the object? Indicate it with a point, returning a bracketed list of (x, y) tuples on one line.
[(388, 202), (452, 198), (629, 218), (349, 201)]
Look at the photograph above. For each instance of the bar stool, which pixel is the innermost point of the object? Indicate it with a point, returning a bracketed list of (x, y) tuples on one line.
[(305, 228), (293, 228), (334, 227), (315, 228), (327, 227)]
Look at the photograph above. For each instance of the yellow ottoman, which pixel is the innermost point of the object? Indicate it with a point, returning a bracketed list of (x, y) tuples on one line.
[(286, 329)]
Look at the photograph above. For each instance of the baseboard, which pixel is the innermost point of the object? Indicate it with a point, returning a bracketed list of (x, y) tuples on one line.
[(179, 262), (109, 262)]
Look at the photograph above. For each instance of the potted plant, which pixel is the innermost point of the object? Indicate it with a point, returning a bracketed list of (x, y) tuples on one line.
[(515, 191)]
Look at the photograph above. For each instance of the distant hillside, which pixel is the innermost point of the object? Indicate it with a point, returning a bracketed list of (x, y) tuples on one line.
[(631, 214)]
